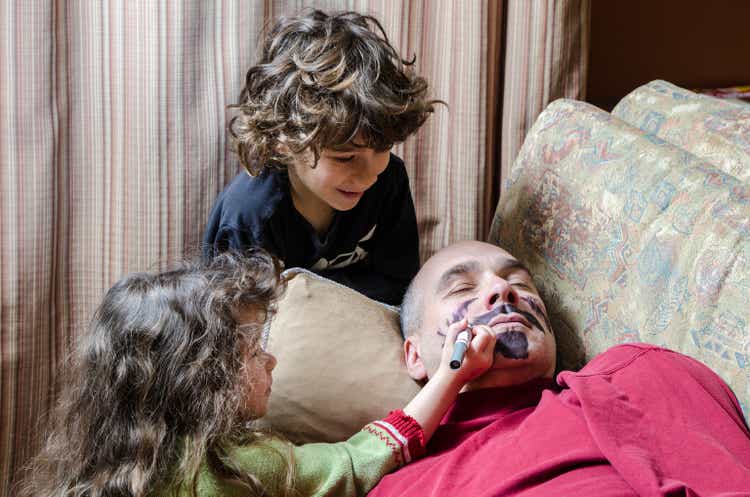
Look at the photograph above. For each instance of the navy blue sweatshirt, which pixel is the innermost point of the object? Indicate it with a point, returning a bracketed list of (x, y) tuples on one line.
[(372, 248)]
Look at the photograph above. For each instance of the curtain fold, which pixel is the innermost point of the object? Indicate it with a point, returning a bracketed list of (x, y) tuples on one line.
[(546, 58), (113, 145)]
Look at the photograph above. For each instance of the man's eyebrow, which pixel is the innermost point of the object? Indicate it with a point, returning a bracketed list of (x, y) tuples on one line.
[(509, 265), (459, 269)]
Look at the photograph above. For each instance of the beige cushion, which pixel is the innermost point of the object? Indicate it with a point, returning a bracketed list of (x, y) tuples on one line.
[(340, 360)]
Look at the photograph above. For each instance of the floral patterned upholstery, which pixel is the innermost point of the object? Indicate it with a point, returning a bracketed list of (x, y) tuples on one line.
[(631, 238), (717, 131)]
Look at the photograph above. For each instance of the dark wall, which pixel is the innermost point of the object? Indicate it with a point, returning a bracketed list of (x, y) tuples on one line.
[(691, 43)]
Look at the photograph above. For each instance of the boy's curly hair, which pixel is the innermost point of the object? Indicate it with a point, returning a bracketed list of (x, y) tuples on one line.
[(321, 81)]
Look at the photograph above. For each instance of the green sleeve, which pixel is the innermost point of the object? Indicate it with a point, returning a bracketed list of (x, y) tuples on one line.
[(349, 468), (341, 469), (345, 469)]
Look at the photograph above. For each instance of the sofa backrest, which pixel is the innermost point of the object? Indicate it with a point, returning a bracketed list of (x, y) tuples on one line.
[(631, 238), (716, 130)]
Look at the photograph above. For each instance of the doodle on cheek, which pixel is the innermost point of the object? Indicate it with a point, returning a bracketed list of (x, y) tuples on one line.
[(456, 315), (534, 304), (460, 312)]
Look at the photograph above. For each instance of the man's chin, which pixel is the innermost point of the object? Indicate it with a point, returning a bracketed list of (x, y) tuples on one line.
[(512, 344)]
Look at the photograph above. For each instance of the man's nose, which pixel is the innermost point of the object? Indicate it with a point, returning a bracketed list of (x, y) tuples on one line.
[(499, 292)]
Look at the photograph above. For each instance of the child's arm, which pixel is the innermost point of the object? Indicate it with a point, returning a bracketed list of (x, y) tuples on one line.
[(355, 466)]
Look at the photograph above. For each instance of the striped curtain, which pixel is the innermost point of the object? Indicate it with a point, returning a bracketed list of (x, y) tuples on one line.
[(113, 145)]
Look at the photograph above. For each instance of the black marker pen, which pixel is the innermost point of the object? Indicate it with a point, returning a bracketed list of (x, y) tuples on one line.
[(459, 348)]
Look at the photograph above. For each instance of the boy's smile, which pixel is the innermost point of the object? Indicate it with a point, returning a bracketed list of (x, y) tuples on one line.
[(352, 195)]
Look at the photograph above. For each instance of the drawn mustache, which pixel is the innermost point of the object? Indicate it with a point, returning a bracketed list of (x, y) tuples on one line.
[(506, 309)]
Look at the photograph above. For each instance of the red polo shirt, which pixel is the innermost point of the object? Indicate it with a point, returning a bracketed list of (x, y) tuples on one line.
[(638, 420)]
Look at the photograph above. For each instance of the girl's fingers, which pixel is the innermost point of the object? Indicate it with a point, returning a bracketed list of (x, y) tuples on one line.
[(482, 347), (450, 337), (483, 338), (454, 329)]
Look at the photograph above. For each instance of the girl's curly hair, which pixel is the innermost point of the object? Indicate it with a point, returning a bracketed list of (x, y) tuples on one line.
[(155, 388), (321, 81)]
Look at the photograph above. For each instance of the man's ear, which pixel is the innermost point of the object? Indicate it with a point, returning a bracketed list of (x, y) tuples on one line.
[(414, 364)]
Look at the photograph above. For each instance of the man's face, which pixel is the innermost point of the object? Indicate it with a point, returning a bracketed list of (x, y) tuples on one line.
[(488, 286)]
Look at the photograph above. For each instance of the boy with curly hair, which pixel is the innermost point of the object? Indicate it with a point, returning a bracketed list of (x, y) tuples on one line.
[(317, 118)]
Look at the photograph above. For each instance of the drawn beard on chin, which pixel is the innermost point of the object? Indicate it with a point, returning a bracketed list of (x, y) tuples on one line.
[(512, 344)]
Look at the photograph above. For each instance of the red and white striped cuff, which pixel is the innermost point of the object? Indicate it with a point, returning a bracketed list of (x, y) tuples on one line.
[(404, 429)]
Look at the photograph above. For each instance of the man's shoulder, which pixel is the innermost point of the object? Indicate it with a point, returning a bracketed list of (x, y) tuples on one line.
[(641, 357), (618, 357)]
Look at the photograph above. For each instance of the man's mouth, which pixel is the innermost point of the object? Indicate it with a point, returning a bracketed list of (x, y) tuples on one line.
[(510, 319), (508, 313), (512, 344)]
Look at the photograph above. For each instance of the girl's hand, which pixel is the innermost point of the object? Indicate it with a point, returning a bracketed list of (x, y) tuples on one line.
[(431, 403), (479, 354)]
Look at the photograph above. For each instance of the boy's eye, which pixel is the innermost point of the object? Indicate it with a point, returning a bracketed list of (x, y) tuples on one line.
[(343, 158)]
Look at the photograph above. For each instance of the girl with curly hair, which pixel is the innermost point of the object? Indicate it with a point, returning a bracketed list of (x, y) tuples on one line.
[(163, 388), (319, 113)]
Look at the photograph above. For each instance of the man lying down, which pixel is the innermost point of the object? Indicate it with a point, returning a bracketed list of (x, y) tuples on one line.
[(638, 420)]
